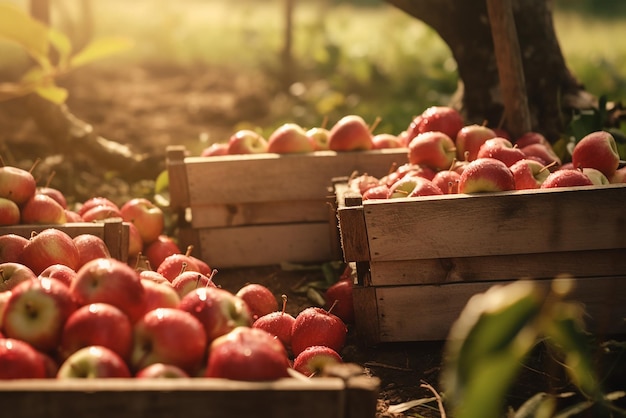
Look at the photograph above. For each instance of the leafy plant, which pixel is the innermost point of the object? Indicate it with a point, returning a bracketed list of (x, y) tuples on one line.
[(40, 41), (494, 335)]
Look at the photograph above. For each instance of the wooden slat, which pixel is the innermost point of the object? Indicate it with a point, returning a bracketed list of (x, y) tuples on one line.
[(354, 236), (192, 398), (426, 312), (177, 177), (366, 315), (264, 245), (259, 213), (272, 177), (504, 267), (520, 222)]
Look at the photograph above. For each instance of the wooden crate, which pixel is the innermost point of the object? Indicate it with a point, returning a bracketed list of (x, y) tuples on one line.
[(419, 260), (113, 231), (264, 209), (328, 397)]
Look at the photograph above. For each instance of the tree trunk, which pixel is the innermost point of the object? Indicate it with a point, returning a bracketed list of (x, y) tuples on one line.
[(552, 90)]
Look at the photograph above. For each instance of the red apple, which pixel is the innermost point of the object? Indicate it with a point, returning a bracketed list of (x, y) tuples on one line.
[(597, 150), (289, 138), (248, 354), (173, 265), (486, 175), (530, 138), (339, 299), (72, 216), (350, 133), (61, 272), (93, 362), (159, 249), (36, 312), (159, 295), (318, 137), (56, 194), (312, 361), (161, 370), (97, 324), (469, 140), (437, 118), (135, 242), (154, 276), (316, 326), (360, 183), (203, 266), (215, 149), (433, 149), (146, 216), (90, 247), (48, 247), (100, 213), (543, 153), (413, 186), (386, 140), (107, 280), (447, 181), (377, 192), (501, 150), (259, 299), (568, 177), (529, 174), (20, 360), (171, 336), (9, 212), (4, 298), (11, 247), (42, 210), (217, 309), (12, 273), (94, 202), (278, 323), (188, 281), (596, 176), (17, 184), (246, 141)]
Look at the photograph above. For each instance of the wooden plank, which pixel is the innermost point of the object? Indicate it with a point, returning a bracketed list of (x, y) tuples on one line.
[(263, 245), (273, 177), (426, 312), (192, 398), (177, 177), (366, 315), (505, 267), (518, 222), (258, 213), (354, 233)]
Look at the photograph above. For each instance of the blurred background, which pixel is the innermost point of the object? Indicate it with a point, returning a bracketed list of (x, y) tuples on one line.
[(200, 69)]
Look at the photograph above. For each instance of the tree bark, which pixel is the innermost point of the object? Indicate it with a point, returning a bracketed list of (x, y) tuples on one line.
[(552, 90)]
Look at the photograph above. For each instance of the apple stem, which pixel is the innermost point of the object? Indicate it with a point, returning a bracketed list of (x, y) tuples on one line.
[(284, 297), (547, 167), (333, 306), (466, 155), (375, 124), (324, 122), (35, 164), (189, 250), (183, 268), (50, 177), (392, 167), (213, 273)]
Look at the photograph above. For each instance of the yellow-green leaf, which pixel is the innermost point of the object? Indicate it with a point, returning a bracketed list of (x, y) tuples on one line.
[(100, 48), (52, 93), (17, 26), (63, 45)]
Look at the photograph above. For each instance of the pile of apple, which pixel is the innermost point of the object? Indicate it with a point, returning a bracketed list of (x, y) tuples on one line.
[(446, 156), (106, 319), (350, 133)]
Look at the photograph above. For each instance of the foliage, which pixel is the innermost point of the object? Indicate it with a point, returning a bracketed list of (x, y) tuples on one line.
[(40, 42), (496, 332)]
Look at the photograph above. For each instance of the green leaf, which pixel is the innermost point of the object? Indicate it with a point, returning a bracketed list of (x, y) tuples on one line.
[(17, 26), (100, 48), (63, 45)]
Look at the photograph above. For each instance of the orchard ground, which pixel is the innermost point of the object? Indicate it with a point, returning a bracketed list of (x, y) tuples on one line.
[(149, 108)]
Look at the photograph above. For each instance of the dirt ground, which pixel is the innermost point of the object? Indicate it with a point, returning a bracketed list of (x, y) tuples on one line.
[(150, 108)]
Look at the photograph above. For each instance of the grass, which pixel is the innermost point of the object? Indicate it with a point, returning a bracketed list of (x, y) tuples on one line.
[(381, 63)]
